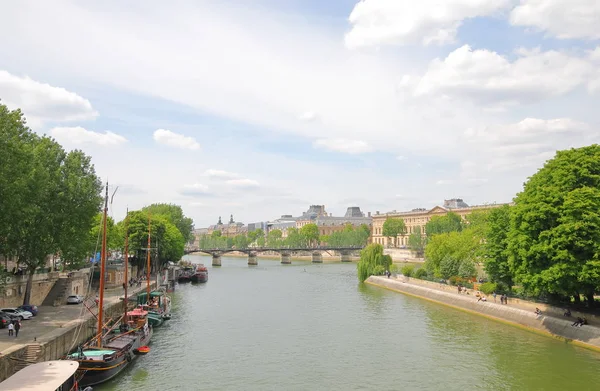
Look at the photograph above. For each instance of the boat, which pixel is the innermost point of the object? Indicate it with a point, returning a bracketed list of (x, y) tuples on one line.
[(200, 274), (112, 348), (44, 376), (158, 307), (186, 275)]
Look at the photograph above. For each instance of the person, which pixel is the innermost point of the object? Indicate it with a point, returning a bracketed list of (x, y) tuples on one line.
[(11, 329), (17, 328), (538, 311), (578, 323), (567, 312), (494, 294)]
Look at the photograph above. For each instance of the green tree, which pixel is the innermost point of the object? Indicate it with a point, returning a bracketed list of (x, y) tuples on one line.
[(445, 252), (274, 238), (372, 262), (450, 222), (310, 235), (416, 242), (496, 246), (216, 234), (392, 227), (294, 238), (174, 215)]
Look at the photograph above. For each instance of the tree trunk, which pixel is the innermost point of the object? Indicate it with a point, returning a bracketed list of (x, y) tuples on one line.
[(577, 298), (27, 295), (590, 299)]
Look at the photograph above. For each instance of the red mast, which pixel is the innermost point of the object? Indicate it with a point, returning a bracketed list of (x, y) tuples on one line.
[(102, 270)]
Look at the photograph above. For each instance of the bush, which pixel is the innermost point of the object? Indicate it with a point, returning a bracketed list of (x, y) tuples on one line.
[(394, 268), (408, 270), (372, 262), (467, 268), (420, 273), (488, 288), (456, 280)]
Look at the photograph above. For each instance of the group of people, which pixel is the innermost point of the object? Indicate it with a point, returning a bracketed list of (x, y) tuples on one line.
[(13, 328), (136, 281)]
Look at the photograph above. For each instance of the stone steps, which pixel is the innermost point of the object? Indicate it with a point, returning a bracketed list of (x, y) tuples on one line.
[(31, 356)]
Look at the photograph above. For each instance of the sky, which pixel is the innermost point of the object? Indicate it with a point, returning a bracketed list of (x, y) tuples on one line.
[(261, 108)]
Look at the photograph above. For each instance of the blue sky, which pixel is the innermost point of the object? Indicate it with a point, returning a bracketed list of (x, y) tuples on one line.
[(260, 109)]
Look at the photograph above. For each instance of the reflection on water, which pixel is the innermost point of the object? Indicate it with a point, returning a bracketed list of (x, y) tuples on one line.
[(279, 327)]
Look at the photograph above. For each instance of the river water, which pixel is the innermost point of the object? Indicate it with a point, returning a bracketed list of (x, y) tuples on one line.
[(313, 327)]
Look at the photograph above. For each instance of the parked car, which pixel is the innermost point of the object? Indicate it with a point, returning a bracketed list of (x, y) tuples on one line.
[(28, 307), (5, 319), (10, 316), (74, 300), (22, 314)]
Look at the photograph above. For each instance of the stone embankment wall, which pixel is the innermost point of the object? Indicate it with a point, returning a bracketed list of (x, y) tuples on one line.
[(41, 286), (587, 336), (59, 342)]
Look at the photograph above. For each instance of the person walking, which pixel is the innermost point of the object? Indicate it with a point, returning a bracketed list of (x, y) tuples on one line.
[(17, 328), (11, 329)]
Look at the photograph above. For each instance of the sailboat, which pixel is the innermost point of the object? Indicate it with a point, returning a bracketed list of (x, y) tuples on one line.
[(111, 349), (157, 303)]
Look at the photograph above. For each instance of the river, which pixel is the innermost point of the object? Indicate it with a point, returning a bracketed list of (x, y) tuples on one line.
[(313, 327)]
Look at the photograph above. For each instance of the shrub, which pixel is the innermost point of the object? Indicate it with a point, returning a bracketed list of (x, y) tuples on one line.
[(372, 262), (393, 268), (420, 273), (456, 280), (408, 270), (467, 269), (488, 288)]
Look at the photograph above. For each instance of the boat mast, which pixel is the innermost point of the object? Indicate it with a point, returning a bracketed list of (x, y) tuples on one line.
[(102, 269), (148, 263), (126, 255)]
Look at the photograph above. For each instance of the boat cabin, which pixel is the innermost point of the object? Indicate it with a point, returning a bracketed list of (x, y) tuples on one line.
[(57, 375)]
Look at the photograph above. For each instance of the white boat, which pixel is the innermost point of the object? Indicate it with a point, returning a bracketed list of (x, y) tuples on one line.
[(55, 375)]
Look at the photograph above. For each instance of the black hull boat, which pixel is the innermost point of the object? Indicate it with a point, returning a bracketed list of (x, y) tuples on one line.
[(99, 365), (200, 274), (186, 275)]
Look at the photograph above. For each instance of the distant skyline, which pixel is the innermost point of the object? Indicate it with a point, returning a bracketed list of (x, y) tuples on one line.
[(261, 108)]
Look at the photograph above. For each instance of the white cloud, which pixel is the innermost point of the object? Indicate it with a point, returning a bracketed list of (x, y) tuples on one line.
[(80, 136), (563, 19), (523, 145), (400, 157), (487, 77), (220, 174), (195, 190), (444, 182), (380, 22), (308, 116), (42, 102), (243, 183), (343, 145), (172, 139)]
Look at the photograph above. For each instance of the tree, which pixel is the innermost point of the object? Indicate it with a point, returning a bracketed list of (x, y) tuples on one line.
[(174, 215), (274, 238), (216, 234), (294, 238), (496, 246), (372, 262), (450, 222), (392, 227), (554, 240), (310, 234), (416, 241), (446, 252)]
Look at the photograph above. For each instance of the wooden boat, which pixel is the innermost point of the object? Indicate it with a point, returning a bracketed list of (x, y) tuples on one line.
[(111, 349), (200, 274), (44, 376), (158, 307)]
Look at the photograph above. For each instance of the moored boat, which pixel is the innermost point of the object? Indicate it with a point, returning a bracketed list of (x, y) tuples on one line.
[(186, 275), (44, 376), (200, 274), (158, 307)]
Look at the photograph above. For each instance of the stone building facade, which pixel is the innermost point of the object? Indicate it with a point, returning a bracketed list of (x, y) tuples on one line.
[(416, 219)]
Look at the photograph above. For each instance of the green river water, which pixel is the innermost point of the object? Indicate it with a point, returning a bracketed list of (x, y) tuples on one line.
[(313, 327)]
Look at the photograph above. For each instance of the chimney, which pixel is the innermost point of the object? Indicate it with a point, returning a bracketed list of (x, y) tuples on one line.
[(368, 214), (376, 212)]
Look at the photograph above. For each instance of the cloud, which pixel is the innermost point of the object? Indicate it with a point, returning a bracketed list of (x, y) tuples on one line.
[(196, 190), (444, 182), (80, 136), (400, 157), (308, 116), (562, 19), (220, 174), (380, 22), (243, 183), (522, 145), (176, 140), (487, 77), (42, 102), (343, 145)]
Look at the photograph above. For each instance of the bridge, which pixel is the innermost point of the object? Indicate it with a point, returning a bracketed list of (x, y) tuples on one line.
[(285, 253)]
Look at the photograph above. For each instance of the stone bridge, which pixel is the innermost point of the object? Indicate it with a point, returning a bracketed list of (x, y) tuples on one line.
[(285, 253)]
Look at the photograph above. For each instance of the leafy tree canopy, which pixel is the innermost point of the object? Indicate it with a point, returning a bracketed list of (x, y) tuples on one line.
[(372, 262), (174, 215), (392, 227), (450, 222)]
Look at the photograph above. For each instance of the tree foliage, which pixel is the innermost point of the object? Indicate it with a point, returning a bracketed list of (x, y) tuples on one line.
[(496, 246), (554, 240), (349, 237), (372, 262), (453, 253), (48, 197), (174, 215), (450, 222), (416, 241), (392, 227)]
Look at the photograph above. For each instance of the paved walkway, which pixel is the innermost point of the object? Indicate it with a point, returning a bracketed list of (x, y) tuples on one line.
[(50, 318)]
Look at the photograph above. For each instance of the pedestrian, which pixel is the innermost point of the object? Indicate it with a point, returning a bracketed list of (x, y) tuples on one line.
[(494, 294), (17, 328), (11, 329)]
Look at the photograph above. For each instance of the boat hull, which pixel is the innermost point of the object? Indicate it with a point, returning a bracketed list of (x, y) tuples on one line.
[(200, 277), (155, 319)]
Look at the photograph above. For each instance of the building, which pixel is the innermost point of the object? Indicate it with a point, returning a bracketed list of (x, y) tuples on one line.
[(329, 224), (416, 219), (231, 229)]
